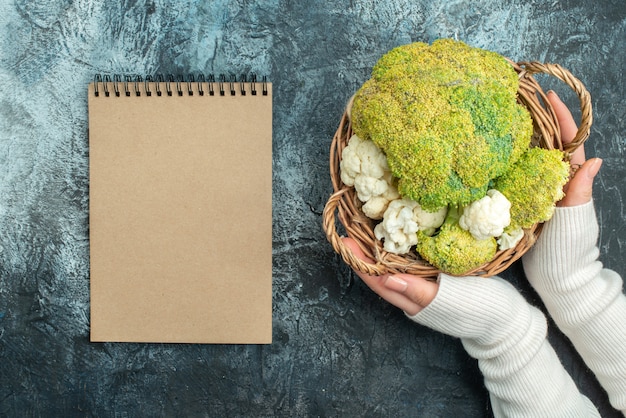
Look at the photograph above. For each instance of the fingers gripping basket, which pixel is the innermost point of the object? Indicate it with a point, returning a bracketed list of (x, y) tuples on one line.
[(344, 204)]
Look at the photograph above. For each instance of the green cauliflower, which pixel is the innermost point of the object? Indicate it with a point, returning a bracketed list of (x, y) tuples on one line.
[(533, 185), (453, 249), (447, 118)]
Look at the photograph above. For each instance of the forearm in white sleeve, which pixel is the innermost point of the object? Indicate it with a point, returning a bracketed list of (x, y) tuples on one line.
[(508, 337), (585, 300)]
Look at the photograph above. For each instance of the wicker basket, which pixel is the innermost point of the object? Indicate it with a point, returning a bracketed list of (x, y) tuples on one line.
[(345, 203)]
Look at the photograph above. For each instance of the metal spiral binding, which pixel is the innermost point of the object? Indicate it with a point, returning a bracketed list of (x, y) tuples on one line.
[(170, 85)]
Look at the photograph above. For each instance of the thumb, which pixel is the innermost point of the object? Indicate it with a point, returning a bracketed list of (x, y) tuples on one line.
[(418, 290), (579, 188)]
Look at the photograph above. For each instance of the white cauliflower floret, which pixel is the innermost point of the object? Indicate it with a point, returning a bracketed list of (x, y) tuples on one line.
[(398, 229), (364, 166), (509, 239), (362, 157), (375, 207), (488, 216), (401, 221), (429, 221), (367, 187)]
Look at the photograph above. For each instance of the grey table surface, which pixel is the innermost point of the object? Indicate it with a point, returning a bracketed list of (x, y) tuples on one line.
[(338, 350)]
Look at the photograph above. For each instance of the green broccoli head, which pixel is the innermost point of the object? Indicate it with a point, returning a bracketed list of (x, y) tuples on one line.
[(454, 250), (447, 118), (533, 185)]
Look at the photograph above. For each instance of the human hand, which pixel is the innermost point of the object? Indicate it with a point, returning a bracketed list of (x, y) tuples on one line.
[(407, 292), (578, 190)]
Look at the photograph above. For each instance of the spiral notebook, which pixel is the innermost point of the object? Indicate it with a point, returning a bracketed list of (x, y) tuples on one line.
[(180, 209)]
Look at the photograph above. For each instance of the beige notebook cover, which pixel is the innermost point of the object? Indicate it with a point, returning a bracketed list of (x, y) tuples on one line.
[(180, 212)]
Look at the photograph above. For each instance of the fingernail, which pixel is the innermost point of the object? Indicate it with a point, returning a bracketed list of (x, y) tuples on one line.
[(396, 283), (594, 168)]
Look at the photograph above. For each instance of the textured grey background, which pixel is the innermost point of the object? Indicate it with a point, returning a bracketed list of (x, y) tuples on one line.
[(338, 350)]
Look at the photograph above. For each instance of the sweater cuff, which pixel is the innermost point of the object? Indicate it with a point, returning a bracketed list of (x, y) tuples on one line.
[(566, 248), (571, 235), (489, 315), (453, 311), (577, 220)]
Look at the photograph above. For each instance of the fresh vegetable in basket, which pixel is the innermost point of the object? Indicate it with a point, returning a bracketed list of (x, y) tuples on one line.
[(442, 155)]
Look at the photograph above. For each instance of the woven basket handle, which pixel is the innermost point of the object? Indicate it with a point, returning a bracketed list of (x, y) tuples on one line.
[(533, 67), (328, 220)]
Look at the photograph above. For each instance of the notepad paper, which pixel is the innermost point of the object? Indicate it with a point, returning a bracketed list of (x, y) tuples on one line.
[(180, 215)]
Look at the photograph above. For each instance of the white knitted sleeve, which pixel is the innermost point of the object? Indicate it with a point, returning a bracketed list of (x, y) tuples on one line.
[(585, 300), (508, 337)]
